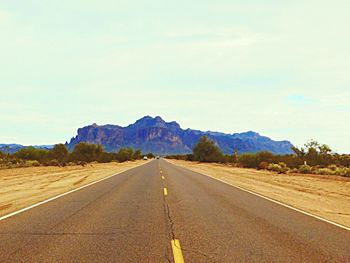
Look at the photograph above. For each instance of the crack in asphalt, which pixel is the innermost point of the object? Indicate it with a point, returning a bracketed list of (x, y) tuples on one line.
[(173, 236), (172, 231), (170, 227)]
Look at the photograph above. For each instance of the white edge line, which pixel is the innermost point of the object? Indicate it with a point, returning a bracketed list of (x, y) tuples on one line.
[(272, 200), (60, 195)]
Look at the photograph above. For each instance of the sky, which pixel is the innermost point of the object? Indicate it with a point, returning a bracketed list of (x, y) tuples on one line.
[(280, 68)]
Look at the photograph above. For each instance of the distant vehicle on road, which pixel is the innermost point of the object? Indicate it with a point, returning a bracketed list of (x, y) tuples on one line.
[(157, 157), (145, 157)]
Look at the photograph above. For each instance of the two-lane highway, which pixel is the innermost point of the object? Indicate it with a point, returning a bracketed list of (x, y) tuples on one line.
[(141, 214)]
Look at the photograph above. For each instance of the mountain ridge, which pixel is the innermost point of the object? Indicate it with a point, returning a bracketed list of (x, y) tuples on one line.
[(156, 135)]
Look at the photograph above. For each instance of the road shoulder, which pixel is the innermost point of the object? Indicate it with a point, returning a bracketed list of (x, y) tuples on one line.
[(323, 196)]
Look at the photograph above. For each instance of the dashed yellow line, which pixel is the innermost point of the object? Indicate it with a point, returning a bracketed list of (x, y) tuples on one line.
[(163, 177), (165, 191), (177, 252)]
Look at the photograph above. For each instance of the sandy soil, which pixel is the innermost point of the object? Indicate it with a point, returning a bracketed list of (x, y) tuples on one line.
[(21, 187), (322, 195)]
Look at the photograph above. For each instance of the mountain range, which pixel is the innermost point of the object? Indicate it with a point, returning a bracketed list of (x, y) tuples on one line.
[(158, 136)]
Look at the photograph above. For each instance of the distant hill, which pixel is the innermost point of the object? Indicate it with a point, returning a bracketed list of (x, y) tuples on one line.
[(160, 137), (12, 148)]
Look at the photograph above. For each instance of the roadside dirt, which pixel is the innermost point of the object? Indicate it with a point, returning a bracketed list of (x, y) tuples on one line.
[(22, 187), (322, 195)]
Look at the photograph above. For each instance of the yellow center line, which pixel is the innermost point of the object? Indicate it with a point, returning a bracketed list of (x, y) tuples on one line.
[(177, 252), (165, 191), (163, 177)]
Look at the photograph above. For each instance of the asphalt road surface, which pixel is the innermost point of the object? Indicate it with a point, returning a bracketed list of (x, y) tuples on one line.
[(132, 218)]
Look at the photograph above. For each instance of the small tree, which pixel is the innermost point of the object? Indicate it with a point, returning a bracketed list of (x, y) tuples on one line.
[(86, 152), (60, 153), (150, 155), (137, 155), (125, 154), (206, 151), (314, 153)]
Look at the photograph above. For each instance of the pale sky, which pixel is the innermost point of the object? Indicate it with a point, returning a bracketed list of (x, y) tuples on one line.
[(280, 68)]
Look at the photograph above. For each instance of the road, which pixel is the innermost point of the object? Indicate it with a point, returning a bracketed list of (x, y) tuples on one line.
[(131, 218)]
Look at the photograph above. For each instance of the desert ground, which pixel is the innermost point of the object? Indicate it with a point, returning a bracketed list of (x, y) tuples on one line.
[(321, 195), (22, 187)]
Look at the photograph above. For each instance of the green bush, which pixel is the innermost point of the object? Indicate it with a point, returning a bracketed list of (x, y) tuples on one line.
[(305, 169)]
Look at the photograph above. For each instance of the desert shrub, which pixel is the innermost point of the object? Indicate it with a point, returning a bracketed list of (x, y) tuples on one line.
[(30, 163), (82, 163), (263, 166), (265, 156), (248, 160), (294, 170), (279, 168), (31, 153), (292, 161), (343, 160), (332, 167), (324, 171), (189, 157), (342, 171), (53, 162), (305, 169), (105, 157), (184, 157), (332, 170)]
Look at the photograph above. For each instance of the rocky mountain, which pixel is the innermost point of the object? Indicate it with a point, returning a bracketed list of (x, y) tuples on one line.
[(160, 137)]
